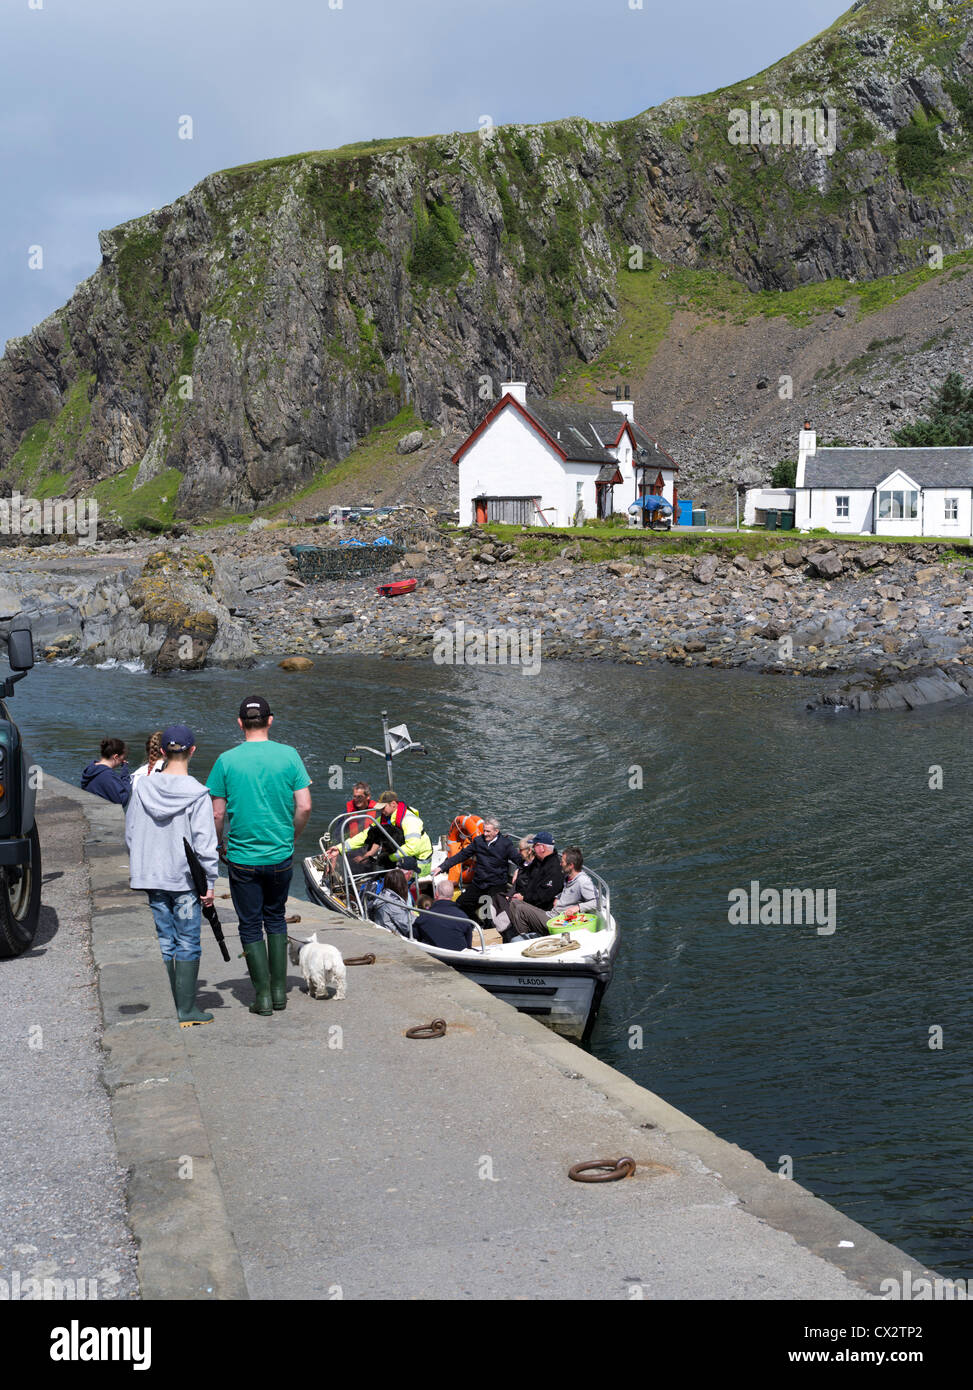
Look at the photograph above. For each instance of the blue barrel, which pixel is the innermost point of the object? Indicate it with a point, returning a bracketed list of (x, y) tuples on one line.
[(685, 514), (699, 518)]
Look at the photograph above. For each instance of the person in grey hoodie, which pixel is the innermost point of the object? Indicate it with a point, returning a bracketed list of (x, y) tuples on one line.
[(165, 808)]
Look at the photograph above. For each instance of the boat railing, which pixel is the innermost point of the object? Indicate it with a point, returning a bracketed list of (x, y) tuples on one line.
[(603, 895), (334, 838)]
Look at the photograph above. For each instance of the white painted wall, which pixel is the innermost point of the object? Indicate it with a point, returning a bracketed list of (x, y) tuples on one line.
[(818, 507), (933, 508), (583, 475), (510, 459)]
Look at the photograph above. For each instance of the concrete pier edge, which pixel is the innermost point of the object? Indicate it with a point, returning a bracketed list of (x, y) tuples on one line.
[(186, 1245)]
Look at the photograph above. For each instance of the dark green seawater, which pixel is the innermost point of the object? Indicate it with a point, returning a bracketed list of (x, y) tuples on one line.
[(782, 1040)]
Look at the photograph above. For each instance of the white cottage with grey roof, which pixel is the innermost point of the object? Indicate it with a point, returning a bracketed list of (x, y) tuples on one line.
[(534, 462), (884, 492)]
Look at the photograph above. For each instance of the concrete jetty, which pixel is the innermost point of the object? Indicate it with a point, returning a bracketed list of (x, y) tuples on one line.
[(321, 1154)]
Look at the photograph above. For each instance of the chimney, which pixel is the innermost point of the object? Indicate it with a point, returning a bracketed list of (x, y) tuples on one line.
[(624, 404), (807, 443), (517, 389)]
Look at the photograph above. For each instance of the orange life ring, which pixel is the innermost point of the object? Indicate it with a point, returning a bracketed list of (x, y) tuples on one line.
[(461, 832)]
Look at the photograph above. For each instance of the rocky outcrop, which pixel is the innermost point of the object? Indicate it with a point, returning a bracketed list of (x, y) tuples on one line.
[(929, 686), (233, 344), (160, 610)]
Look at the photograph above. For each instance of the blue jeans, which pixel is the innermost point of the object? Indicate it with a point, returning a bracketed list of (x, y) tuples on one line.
[(259, 893), (177, 921)]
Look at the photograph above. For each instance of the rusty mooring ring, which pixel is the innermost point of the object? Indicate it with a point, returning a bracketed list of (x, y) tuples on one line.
[(617, 1168), (436, 1029), (360, 960)]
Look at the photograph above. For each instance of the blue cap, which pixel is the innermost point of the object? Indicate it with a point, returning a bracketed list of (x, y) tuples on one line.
[(544, 837), (177, 738)]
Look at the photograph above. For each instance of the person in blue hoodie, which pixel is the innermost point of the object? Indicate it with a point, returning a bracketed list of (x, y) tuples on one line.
[(166, 808), (109, 776)]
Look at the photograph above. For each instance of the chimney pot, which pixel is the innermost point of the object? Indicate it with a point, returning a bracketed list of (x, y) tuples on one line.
[(517, 389)]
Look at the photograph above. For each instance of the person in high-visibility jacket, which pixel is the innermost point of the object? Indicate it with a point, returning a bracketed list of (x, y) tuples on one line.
[(404, 824)]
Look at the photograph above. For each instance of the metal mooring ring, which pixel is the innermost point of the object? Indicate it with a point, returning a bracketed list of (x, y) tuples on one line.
[(617, 1168), (436, 1029), (360, 960)]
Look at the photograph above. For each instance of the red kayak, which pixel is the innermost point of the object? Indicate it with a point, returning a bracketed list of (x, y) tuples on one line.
[(401, 586)]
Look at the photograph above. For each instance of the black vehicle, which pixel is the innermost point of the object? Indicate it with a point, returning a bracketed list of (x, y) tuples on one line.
[(20, 847)]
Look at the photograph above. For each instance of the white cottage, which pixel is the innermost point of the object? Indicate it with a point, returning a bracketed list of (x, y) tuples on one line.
[(880, 491), (535, 462), (884, 492)]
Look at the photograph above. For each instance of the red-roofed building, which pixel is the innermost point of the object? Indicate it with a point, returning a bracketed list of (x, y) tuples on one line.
[(533, 462)]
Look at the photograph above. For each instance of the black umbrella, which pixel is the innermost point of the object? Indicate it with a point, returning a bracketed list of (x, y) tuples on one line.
[(200, 884)]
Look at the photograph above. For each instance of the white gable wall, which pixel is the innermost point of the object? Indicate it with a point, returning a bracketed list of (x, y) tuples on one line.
[(510, 459)]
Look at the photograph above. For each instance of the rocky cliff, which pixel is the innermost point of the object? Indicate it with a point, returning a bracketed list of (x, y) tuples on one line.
[(233, 345)]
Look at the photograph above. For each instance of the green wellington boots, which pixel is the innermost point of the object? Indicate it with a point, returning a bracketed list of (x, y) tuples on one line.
[(186, 972), (171, 972), (259, 967), (277, 954)]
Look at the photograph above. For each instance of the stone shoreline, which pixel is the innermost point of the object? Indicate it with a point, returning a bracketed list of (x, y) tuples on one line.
[(818, 607)]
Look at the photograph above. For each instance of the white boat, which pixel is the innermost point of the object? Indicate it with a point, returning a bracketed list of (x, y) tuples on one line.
[(559, 979)]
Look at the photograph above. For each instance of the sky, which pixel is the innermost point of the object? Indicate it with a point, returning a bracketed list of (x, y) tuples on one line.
[(92, 93)]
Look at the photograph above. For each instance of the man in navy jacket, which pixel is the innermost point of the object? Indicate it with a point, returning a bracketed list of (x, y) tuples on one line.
[(492, 855)]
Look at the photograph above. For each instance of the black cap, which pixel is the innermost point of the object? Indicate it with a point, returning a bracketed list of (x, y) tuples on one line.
[(255, 707)]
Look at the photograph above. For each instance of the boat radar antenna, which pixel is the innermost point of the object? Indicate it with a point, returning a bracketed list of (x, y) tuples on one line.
[(395, 741)]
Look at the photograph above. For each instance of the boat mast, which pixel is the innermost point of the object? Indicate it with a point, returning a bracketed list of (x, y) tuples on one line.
[(388, 750)]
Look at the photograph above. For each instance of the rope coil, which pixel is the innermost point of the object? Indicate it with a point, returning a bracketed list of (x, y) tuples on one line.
[(551, 946), (436, 1029), (611, 1170), (368, 959)]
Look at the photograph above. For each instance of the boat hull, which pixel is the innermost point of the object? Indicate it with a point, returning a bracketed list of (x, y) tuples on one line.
[(567, 1000)]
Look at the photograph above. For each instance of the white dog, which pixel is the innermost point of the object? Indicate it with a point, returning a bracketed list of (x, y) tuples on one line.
[(321, 965)]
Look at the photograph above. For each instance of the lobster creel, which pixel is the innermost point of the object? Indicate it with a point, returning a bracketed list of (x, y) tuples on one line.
[(461, 832)]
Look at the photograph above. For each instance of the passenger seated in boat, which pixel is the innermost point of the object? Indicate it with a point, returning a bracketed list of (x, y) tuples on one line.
[(390, 908), (578, 892), (445, 924), (538, 883), (492, 855)]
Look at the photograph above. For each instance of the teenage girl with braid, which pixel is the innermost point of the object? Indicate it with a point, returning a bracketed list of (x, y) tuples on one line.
[(154, 761)]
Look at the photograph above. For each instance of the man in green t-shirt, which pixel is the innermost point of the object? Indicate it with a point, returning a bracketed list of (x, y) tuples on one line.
[(264, 787)]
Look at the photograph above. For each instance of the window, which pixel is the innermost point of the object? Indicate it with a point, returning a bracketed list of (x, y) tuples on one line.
[(952, 509), (897, 504), (841, 508)]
